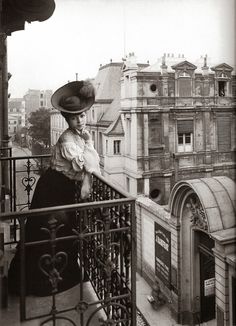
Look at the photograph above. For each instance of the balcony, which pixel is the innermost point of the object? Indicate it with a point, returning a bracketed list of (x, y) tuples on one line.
[(104, 235)]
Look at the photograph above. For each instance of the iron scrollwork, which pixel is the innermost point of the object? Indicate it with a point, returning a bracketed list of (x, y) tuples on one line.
[(53, 265)]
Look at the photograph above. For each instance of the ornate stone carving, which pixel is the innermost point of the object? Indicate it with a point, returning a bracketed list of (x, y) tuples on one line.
[(198, 215)]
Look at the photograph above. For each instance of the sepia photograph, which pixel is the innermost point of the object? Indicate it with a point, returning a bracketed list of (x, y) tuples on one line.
[(117, 162)]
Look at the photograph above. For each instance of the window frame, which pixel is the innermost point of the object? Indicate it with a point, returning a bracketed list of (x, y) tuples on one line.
[(187, 147), (117, 147)]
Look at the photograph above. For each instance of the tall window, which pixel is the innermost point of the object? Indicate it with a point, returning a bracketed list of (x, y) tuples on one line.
[(116, 147), (128, 184), (185, 142), (185, 85), (106, 146), (128, 136), (100, 147), (185, 136), (222, 88), (224, 133)]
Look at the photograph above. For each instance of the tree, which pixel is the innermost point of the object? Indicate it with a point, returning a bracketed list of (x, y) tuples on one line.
[(40, 125)]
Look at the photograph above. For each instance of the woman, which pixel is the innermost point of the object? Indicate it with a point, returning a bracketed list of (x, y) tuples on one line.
[(67, 181)]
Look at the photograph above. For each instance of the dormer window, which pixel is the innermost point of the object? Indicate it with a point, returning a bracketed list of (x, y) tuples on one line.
[(223, 76), (185, 84), (184, 73), (222, 88)]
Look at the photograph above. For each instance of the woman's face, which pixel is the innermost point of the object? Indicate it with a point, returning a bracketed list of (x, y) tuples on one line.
[(77, 121)]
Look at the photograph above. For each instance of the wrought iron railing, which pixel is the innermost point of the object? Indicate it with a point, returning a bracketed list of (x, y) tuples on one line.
[(104, 234), (5, 151), (23, 174)]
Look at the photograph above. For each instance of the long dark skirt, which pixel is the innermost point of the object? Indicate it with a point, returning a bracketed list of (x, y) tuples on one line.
[(52, 189)]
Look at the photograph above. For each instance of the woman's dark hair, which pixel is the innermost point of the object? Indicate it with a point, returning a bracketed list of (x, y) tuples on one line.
[(66, 115)]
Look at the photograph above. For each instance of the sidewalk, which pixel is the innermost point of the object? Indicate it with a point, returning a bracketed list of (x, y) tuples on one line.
[(160, 317), (20, 151)]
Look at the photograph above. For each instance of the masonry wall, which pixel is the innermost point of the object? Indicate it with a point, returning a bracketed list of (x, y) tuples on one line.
[(147, 213)]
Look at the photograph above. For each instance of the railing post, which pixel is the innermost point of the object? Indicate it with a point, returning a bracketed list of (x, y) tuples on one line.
[(3, 273), (22, 270), (133, 264)]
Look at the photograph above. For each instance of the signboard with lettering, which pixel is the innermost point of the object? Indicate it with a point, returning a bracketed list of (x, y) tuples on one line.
[(209, 287), (162, 254)]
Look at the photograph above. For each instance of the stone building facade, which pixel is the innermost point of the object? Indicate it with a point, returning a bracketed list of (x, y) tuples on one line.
[(16, 115), (179, 123), (36, 99), (104, 121), (189, 248)]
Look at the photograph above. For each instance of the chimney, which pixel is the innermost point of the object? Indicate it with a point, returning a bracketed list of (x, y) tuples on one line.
[(205, 68), (163, 65)]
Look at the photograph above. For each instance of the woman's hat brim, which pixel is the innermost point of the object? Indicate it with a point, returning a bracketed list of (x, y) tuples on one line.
[(72, 89)]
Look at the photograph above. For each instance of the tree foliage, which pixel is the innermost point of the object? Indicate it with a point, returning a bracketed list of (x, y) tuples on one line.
[(40, 125)]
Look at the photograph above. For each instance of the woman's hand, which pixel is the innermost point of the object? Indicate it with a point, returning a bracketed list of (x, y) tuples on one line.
[(85, 135)]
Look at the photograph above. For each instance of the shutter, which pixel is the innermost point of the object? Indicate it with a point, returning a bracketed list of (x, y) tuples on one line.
[(185, 126), (155, 130), (224, 133), (185, 87)]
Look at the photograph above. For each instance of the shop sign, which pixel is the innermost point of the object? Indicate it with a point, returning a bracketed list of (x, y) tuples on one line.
[(162, 253), (209, 287)]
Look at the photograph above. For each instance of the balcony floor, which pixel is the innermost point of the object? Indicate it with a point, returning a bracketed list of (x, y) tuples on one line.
[(42, 305)]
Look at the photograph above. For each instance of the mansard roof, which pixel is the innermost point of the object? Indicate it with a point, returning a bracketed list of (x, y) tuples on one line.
[(172, 62), (112, 111), (116, 128), (107, 81)]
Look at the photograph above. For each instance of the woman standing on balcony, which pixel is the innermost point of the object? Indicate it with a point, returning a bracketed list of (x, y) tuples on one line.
[(67, 181)]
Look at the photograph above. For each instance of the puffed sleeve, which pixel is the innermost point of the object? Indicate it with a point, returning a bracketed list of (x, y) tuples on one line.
[(72, 153), (91, 159)]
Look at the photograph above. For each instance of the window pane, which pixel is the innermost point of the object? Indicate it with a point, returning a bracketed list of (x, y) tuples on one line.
[(180, 138), (116, 146), (188, 148), (187, 138)]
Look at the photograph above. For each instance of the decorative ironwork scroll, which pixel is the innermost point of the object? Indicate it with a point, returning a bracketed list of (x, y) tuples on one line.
[(100, 234)]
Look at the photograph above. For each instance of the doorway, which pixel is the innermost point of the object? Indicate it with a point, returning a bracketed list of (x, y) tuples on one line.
[(207, 277)]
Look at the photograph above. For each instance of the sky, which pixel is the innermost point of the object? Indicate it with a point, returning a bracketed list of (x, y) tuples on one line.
[(82, 34)]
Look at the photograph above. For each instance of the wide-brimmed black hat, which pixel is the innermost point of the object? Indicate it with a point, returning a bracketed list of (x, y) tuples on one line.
[(74, 97)]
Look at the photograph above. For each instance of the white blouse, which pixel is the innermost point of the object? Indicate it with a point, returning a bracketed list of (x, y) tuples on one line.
[(73, 156)]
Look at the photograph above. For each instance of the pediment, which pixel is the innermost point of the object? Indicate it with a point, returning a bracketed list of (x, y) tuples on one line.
[(222, 67), (184, 65)]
